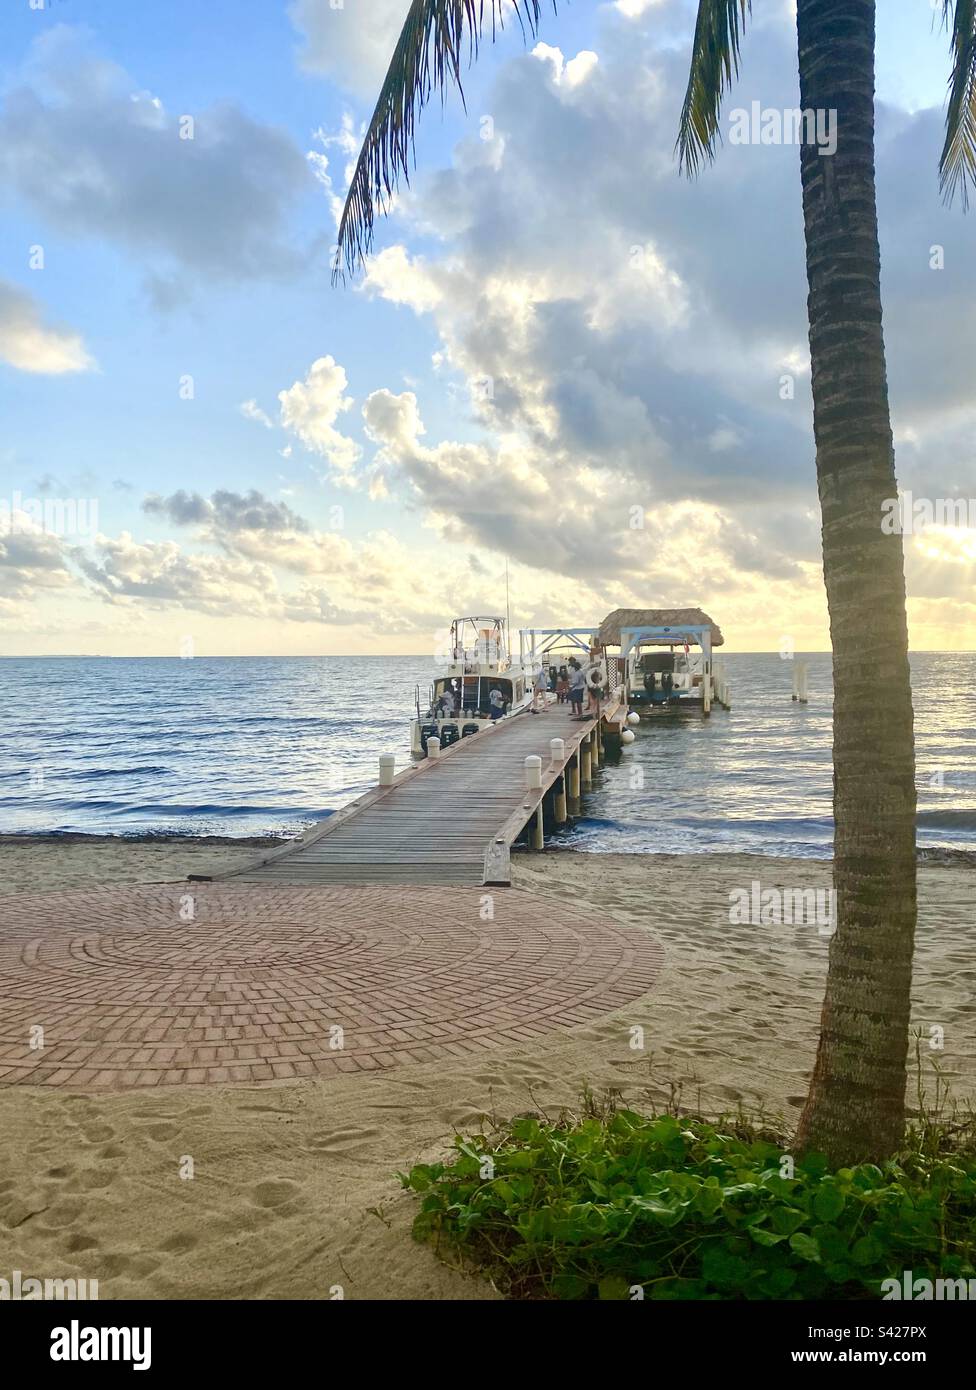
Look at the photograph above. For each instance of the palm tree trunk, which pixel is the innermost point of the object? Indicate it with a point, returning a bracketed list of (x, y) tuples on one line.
[(856, 1106)]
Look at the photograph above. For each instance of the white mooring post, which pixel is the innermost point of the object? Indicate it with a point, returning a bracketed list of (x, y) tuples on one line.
[(433, 747), (800, 682), (707, 691), (557, 752), (533, 772), (387, 769)]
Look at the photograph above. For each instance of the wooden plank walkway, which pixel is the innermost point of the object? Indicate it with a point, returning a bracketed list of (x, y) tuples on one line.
[(445, 820)]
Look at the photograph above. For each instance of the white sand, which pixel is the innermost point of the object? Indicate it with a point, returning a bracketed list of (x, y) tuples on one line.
[(285, 1177)]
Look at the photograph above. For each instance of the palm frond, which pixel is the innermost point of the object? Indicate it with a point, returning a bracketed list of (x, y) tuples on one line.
[(957, 167), (427, 57), (714, 66)]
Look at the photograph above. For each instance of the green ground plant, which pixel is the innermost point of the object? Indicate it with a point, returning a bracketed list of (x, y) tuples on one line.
[(606, 1203)]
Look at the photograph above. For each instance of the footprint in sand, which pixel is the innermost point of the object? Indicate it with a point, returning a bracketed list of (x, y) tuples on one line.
[(111, 1151), (157, 1131), (14, 1213), (111, 1266), (339, 1141), (275, 1192), (180, 1243), (76, 1243), (93, 1179), (63, 1213), (59, 1173), (98, 1134)]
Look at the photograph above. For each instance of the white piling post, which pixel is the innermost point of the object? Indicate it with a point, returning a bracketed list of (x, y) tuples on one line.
[(533, 772), (707, 691), (557, 752), (800, 682), (388, 768), (433, 748)]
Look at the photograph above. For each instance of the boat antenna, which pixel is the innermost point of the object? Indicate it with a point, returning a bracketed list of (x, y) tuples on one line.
[(508, 609)]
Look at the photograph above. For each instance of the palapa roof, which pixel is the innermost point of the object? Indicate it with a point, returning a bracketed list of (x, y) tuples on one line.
[(620, 618)]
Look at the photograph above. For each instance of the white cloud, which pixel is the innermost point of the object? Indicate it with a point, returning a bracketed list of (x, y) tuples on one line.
[(352, 44), (30, 345), (310, 409), (252, 411)]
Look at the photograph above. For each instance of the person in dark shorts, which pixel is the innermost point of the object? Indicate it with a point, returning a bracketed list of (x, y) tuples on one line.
[(577, 688)]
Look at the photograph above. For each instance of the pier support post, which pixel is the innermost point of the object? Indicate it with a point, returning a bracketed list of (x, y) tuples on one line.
[(387, 769), (538, 833), (559, 814), (598, 740), (574, 784), (707, 691), (800, 682), (433, 747), (586, 763)]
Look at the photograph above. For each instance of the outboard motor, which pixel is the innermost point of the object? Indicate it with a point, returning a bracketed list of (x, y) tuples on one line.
[(469, 729), (427, 731), (449, 735)]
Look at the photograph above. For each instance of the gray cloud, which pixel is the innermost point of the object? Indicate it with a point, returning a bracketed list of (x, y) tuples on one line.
[(633, 322), (225, 512), (93, 156)]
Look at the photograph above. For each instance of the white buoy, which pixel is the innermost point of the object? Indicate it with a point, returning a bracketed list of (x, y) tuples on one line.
[(633, 717), (533, 771), (628, 736), (387, 769)]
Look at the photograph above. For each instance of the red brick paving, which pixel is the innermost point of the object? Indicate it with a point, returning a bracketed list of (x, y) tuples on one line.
[(130, 994)]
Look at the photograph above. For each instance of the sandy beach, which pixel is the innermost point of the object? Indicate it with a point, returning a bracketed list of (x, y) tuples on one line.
[(293, 1192)]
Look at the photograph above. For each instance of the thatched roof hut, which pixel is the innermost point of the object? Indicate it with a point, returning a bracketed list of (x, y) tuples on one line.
[(620, 618)]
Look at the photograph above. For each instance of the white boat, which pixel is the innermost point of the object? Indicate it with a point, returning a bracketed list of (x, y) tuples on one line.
[(479, 682)]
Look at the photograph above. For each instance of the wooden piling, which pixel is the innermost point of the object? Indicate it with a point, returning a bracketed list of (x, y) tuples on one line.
[(586, 762), (574, 784), (559, 801)]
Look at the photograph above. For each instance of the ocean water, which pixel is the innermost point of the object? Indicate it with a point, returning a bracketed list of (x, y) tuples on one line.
[(266, 745)]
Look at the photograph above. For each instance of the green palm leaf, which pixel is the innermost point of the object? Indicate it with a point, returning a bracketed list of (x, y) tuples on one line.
[(714, 65), (957, 167), (427, 57)]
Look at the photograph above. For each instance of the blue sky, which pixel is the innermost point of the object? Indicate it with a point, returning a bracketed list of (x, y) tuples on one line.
[(163, 262)]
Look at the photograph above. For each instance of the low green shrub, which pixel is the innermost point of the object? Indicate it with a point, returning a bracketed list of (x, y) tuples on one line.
[(594, 1206)]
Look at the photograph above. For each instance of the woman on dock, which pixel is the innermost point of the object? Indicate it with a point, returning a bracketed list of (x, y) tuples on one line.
[(539, 689)]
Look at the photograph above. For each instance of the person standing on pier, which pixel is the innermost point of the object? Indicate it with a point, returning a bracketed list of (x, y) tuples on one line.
[(539, 688), (577, 684)]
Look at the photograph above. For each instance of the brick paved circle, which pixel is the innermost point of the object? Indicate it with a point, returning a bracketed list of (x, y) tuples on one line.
[(167, 984)]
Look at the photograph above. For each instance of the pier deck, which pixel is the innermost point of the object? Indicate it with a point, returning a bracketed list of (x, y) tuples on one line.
[(448, 820)]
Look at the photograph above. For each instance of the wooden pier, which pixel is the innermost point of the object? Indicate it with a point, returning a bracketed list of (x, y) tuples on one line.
[(453, 818)]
